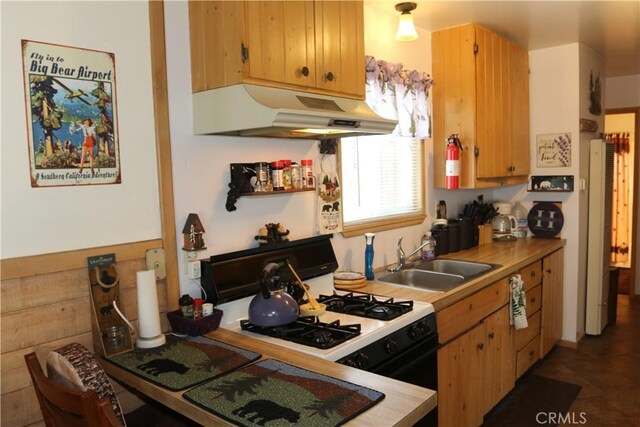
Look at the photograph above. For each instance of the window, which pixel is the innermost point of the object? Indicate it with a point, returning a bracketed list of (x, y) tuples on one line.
[(382, 182)]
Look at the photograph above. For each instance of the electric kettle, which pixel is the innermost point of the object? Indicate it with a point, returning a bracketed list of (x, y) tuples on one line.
[(504, 227), (272, 306)]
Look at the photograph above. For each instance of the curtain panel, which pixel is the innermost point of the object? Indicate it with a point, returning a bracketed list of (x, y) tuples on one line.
[(399, 94), (620, 221)]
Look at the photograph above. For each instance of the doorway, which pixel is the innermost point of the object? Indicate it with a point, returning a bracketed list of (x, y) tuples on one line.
[(622, 126)]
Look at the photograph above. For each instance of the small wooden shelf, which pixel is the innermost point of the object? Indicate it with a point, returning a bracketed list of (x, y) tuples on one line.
[(271, 193), (549, 191)]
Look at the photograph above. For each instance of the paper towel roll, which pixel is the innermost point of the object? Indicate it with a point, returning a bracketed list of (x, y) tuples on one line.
[(149, 331)]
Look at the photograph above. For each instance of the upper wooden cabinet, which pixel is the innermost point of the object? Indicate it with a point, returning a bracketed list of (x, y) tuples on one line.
[(315, 46), (481, 92)]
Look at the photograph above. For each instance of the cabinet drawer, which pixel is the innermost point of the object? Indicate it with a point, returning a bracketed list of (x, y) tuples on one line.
[(523, 336), (532, 274), (534, 300), (527, 356), (463, 315)]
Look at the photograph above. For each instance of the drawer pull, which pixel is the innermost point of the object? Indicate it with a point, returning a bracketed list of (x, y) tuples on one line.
[(533, 274), (480, 346), (533, 300), (491, 335), (548, 271), (531, 353)]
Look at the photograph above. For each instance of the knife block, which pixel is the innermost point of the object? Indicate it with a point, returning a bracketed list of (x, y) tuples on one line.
[(486, 234)]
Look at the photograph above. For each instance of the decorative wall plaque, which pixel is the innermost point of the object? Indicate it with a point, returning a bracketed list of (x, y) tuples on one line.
[(553, 150)]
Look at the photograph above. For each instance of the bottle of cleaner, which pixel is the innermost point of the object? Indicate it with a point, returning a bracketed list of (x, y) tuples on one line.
[(520, 212), (429, 249), (368, 256)]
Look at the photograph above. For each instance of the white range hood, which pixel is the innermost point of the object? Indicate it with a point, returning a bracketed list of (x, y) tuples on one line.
[(251, 110)]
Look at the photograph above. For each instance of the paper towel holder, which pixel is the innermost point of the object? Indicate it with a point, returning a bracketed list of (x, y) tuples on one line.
[(149, 334)]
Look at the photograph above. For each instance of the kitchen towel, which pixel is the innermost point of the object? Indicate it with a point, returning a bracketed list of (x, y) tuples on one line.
[(272, 392), (518, 314), (184, 362)]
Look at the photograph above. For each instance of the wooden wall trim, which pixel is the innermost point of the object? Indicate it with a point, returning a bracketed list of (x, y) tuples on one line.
[(13, 268), (163, 148)]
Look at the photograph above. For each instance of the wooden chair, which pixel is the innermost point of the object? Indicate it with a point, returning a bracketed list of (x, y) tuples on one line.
[(65, 407)]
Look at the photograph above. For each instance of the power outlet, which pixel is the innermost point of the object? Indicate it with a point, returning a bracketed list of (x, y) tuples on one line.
[(193, 269)]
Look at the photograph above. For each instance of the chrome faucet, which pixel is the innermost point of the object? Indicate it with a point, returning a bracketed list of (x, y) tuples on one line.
[(402, 258)]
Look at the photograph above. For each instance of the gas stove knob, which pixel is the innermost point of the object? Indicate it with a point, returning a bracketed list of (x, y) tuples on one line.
[(361, 360), (415, 331), (390, 346), (351, 361), (424, 325)]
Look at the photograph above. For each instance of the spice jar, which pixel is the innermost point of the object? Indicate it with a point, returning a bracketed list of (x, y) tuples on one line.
[(262, 177), (296, 172), (197, 308), (277, 176), (286, 174), (186, 305), (308, 179)]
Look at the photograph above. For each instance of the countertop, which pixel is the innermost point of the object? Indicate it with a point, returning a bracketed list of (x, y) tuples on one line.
[(512, 256), (404, 404)]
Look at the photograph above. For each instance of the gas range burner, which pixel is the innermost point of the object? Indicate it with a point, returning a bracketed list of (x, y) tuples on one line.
[(307, 331), (365, 305)]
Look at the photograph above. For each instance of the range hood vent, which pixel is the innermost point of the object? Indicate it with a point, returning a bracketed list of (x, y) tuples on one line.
[(251, 110)]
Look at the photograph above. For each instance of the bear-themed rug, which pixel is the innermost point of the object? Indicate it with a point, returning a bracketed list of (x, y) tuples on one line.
[(275, 393), (184, 362)]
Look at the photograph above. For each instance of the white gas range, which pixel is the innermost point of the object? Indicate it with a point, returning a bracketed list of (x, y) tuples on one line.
[(371, 330)]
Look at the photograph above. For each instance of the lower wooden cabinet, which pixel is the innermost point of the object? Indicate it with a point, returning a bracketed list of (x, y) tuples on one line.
[(552, 283), (475, 371)]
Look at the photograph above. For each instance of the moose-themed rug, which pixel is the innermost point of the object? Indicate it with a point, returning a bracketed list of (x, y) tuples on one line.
[(184, 362), (274, 393)]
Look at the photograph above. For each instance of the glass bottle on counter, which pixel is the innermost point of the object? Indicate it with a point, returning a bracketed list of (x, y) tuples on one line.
[(368, 255), (522, 226)]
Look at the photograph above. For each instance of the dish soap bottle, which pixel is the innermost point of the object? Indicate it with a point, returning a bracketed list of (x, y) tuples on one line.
[(520, 213), (368, 256), (429, 249)]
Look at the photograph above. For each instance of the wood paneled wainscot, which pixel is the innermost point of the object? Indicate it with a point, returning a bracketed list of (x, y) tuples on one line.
[(314, 46), (482, 355)]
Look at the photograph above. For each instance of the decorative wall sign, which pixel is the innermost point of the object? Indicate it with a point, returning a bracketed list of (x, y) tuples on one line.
[(553, 150), (551, 183), (72, 126), (545, 219), (587, 125)]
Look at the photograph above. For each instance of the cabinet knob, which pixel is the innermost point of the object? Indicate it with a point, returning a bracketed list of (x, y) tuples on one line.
[(533, 300), (480, 346), (492, 335), (533, 274), (548, 271), (329, 76), (305, 71)]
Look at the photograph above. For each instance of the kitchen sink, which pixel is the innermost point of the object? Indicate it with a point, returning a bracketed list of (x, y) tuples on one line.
[(440, 275), (454, 266)]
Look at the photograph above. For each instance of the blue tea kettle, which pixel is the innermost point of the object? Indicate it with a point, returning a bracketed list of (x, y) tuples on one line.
[(272, 306)]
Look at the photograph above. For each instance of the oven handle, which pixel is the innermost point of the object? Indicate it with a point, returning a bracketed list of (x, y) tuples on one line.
[(423, 350)]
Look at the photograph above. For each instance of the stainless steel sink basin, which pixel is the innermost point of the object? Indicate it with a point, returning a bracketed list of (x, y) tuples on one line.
[(454, 266), (440, 275), (423, 279)]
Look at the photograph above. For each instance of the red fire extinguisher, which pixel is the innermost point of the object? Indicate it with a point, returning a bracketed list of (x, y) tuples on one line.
[(452, 166)]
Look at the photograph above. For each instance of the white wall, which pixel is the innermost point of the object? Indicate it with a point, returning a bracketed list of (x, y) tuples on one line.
[(201, 163), (555, 96), (623, 92), (44, 220)]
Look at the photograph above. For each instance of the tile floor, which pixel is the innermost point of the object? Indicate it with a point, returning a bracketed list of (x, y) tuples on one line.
[(608, 369)]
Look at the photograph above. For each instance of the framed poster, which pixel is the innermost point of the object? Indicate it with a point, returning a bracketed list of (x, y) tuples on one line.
[(72, 123), (553, 150)]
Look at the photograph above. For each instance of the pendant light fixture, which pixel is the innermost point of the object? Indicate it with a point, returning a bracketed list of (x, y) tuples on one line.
[(406, 30)]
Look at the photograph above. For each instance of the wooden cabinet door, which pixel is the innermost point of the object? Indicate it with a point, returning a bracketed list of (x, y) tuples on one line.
[(498, 359), (519, 93), (460, 380), (552, 283), (280, 39), (493, 112), (340, 46)]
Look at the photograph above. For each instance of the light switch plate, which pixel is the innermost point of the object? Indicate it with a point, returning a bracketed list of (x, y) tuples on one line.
[(155, 261)]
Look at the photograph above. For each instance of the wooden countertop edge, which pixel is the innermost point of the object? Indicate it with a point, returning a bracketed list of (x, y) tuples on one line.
[(511, 255), (403, 405)]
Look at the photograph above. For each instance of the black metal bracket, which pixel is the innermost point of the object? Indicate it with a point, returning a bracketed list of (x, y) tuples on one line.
[(241, 174)]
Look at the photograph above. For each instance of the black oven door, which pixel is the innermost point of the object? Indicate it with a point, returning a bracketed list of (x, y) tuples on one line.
[(419, 366)]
